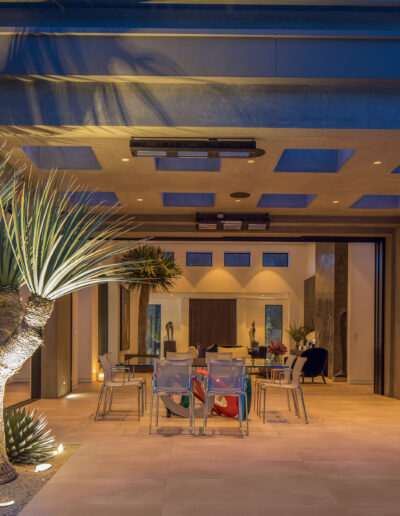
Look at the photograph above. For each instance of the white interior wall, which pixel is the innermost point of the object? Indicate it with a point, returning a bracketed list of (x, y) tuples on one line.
[(360, 322)]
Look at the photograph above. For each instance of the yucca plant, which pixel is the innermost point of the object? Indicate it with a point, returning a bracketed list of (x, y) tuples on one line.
[(58, 247), (152, 270), (27, 439)]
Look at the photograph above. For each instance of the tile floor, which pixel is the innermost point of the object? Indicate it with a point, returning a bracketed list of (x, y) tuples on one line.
[(346, 462)]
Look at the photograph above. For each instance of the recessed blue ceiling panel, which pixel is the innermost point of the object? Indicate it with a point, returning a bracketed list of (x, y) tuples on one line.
[(378, 202), (188, 164), (396, 170), (64, 158), (188, 199), (95, 198), (285, 200), (313, 160)]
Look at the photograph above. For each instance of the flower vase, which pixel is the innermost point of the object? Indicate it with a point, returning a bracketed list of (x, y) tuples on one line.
[(277, 359)]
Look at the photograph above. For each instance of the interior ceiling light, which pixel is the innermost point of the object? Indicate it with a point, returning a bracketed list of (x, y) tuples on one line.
[(232, 222), (377, 162), (335, 202), (195, 148), (139, 199), (125, 159), (250, 161)]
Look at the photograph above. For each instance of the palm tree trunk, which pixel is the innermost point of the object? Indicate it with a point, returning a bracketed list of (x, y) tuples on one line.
[(142, 322), (11, 312), (14, 351)]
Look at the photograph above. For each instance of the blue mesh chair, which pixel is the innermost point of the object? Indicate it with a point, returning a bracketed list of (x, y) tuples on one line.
[(226, 378), (172, 377)]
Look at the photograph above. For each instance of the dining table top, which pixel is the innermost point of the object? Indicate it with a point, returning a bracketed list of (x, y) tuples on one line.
[(201, 363)]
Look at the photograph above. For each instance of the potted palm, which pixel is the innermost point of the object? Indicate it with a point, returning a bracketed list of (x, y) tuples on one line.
[(54, 247), (152, 270)]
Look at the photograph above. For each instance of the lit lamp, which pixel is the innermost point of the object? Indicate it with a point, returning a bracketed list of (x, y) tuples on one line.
[(100, 376)]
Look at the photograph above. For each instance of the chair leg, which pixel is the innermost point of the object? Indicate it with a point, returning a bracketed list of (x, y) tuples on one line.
[(111, 400), (288, 399), (192, 413), (142, 392), (323, 377), (138, 403), (205, 413), (151, 410), (99, 402), (297, 402), (294, 402), (304, 406), (265, 395), (157, 408), (240, 411), (247, 414), (107, 393)]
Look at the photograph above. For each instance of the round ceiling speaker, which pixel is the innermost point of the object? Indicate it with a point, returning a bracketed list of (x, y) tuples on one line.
[(240, 195)]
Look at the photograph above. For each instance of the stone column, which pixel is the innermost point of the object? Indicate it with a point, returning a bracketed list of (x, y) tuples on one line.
[(331, 302)]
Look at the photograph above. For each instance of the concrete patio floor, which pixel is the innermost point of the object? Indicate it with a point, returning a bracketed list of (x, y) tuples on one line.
[(346, 462)]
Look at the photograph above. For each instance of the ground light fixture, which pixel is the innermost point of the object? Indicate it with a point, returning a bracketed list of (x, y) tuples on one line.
[(6, 503), (42, 467), (195, 148)]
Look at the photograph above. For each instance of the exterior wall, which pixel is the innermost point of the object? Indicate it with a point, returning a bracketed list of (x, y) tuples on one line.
[(87, 334), (360, 326)]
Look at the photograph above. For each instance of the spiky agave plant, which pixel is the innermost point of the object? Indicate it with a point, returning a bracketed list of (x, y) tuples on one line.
[(59, 247), (153, 270), (27, 439)]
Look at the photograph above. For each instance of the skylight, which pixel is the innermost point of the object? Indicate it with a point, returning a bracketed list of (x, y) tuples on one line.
[(285, 200), (313, 160)]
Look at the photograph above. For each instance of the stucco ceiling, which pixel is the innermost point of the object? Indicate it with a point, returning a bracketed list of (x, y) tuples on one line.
[(138, 178)]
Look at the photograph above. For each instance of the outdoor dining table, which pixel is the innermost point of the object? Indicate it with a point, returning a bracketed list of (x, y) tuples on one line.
[(200, 368)]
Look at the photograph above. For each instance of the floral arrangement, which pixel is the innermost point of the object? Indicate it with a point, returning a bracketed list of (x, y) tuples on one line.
[(277, 348)]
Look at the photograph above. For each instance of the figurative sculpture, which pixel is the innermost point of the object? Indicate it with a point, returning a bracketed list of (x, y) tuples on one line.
[(170, 330)]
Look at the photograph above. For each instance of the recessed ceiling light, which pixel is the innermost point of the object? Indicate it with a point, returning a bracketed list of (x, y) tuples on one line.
[(335, 202), (377, 162), (250, 161), (237, 200), (139, 199), (125, 159)]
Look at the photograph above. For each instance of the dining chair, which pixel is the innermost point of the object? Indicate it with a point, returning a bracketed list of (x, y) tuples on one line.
[(291, 386), (226, 378), (211, 355), (109, 383), (172, 377), (284, 375), (179, 355), (123, 369)]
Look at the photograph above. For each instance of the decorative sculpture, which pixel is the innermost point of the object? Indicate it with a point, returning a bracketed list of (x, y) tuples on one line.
[(170, 330)]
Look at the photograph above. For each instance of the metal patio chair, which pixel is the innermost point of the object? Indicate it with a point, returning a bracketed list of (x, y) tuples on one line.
[(172, 377), (227, 378), (109, 383), (291, 387)]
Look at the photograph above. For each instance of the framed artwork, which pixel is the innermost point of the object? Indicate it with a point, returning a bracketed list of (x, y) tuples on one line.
[(273, 324), (153, 332), (125, 325)]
